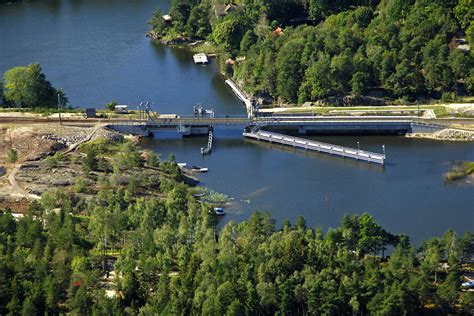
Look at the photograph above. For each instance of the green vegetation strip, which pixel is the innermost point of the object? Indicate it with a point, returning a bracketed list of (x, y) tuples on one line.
[(459, 171)]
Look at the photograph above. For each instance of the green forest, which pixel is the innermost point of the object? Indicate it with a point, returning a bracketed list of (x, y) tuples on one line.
[(395, 49), (126, 253)]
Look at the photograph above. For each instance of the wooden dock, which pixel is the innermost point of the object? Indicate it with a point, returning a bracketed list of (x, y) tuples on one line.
[(317, 146), (200, 58)]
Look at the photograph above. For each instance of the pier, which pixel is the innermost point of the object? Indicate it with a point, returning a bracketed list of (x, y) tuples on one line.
[(241, 96), (201, 58), (306, 144), (205, 151)]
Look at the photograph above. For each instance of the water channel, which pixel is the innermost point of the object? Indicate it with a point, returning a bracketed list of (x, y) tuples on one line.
[(96, 50)]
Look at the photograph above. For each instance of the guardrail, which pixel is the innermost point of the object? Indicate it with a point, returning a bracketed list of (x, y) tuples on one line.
[(239, 119)]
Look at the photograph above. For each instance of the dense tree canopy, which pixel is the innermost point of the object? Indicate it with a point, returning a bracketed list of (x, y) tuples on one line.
[(400, 49), (169, 258), (27, 86)]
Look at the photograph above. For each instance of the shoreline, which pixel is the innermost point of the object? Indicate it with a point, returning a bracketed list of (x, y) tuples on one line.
[(448, 134), (25, 180), (349, 102), (193, 45)]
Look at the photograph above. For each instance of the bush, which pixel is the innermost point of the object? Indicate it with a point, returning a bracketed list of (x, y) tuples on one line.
[(102, 146), (127, 158), (59, 156), (111, 105), (152, 159), (133, 184), (80, 186), (448, 97), (90, 162), (52, 162), (459, 171), (12, 155)]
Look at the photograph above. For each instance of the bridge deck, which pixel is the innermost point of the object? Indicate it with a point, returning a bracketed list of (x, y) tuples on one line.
[(239, 120), (317, 146), (266, 121)]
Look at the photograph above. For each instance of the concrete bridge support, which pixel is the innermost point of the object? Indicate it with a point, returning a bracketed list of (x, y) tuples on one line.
[(418, 127)]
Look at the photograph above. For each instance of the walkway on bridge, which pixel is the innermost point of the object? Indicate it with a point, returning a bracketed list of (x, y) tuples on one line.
[(317, 146), (241, 96)]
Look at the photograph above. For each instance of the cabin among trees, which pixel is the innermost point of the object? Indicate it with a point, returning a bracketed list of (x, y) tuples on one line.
[(223, 9)]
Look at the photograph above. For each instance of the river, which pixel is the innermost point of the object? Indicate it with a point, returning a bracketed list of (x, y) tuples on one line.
[(96, 50)]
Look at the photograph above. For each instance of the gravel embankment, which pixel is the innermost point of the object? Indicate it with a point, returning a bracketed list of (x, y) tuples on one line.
[(448, 134)]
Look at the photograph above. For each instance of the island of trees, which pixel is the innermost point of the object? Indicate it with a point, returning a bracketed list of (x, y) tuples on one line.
[(308, 50), (130, 238)]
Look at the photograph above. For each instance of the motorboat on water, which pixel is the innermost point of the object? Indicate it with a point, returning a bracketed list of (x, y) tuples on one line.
[(199, 169), (219, 210)]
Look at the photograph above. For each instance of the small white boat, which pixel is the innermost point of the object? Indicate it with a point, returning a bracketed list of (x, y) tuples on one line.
[(181, 164), (199, 169), (219, 210)]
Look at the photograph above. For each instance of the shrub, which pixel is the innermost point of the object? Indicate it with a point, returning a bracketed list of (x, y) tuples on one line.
[(152, 159), (448, 97), (80, 186), (111, 105), (52, 162), (12, 155)]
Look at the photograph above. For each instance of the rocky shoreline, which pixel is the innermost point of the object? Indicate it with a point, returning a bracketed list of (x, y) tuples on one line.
[(448, 134), (175, 41)]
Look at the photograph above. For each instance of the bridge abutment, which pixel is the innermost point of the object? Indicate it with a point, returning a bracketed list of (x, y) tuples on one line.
[(137, 130)]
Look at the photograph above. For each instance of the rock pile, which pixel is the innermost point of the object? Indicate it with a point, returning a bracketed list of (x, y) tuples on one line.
[(65, 140), (454, 134), (109, 134), (447, 134)]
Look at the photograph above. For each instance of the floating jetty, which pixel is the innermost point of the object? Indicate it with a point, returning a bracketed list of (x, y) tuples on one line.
[(207, 150), (200, 58), (317, 146)]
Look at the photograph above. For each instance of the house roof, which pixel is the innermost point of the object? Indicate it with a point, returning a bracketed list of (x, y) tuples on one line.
[(278, 31), (223, 9)]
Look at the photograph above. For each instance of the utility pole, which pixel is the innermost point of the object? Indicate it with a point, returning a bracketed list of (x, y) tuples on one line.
[(59, 109)]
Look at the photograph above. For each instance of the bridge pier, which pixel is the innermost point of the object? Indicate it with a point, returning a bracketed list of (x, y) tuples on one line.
[(190, 131), (418, 127)]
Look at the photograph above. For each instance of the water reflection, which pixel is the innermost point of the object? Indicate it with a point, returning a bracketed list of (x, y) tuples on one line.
[(159, 49), (54, 7)]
